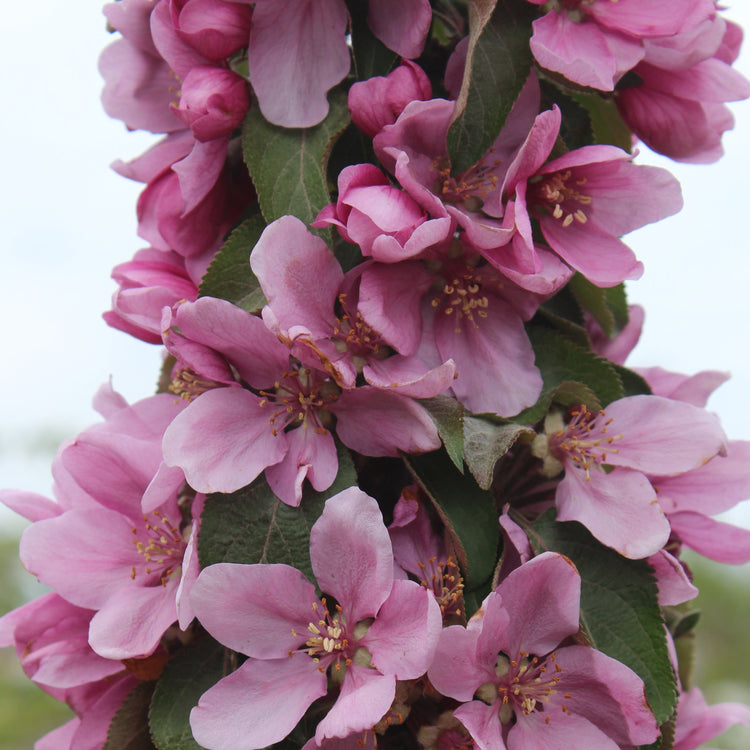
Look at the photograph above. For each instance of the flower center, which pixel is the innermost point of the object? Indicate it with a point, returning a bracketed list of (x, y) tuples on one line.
[(353, 334), (524, 685), (470, 187), (301, 399), (584, 439), (162, 547), (187, 384), (560, 195), (462, 296), (444, 580)]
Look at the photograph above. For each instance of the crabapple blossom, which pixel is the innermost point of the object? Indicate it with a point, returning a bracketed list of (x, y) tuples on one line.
[(299, 646), (640, 436), (517, 685)]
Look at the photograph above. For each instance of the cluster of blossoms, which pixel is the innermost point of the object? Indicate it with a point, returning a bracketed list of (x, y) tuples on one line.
[(396, 468)]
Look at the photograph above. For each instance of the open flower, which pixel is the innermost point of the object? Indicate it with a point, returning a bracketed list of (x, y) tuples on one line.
[(379, 631), (520, 689), (117, 543), (638, 436)]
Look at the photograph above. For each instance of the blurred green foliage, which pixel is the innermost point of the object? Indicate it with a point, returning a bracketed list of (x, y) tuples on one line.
[(26, 712)]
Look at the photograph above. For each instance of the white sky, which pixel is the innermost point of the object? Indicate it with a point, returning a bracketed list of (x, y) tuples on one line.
[(66, 220)]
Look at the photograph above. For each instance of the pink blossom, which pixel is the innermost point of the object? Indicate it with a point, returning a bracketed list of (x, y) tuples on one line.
[(189, 33), (466, 311), (213, 102), (51, 639), (118, 544), (315, 34), (381, 630), (284, 420), (139, 85), (377, 102), (594, 44), (584, 201), (315, 306), (414, 149), (150, 281), (386, 223), (677, 107), (193, 195), (419, 550), (641, 436), (519, 688)]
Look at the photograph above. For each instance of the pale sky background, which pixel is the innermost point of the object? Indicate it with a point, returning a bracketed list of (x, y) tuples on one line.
[(66, 219)]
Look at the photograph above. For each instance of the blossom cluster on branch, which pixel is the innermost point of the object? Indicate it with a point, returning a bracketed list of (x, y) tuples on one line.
[(397, 487)]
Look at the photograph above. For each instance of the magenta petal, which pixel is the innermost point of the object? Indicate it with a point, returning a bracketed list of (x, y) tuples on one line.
[(620, 509), (607, 693), (241, 337), (253, 609), (455, 670), (299, 48), (553, 579), (132, 622), (401, 25), (82, 554), (389, 300), (697, 722), (583, 52), (409, 376), (661, 436), (695, 389), (310, 454), (377, 422), (403, 638), (713, 488), (351, 554), (223, 440), (483, 723), (257, 705), (674, 585), (299, 275), (602, 258), (713, 539), (507, 380), (30, 505), (561, 730), (364, 699)]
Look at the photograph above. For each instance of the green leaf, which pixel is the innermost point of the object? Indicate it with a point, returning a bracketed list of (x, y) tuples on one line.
[(575, 129), (467, 511), (620, 612), (608, 126), (609, 307), (188, 674), (129, 727), (288, 165), (229, 276), (633, 384), (498, 62), (448, 415), (371, 56), (485, 443), (563, 364), (253, 526)]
